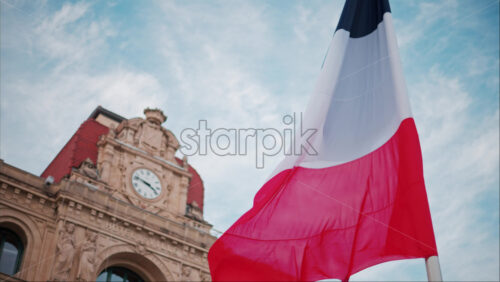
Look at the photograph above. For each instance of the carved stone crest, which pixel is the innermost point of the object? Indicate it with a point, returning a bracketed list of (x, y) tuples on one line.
[(149, 135)]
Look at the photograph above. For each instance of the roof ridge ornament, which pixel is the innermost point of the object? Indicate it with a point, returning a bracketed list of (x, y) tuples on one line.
[(155, 115)]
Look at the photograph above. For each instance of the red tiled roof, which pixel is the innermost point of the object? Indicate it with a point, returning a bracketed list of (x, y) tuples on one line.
[(83, 145)]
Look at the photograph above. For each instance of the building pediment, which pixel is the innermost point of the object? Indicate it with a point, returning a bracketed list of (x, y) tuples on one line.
[(149, 136)]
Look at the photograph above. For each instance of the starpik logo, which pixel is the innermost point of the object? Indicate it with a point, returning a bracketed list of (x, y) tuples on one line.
[(266, 142)]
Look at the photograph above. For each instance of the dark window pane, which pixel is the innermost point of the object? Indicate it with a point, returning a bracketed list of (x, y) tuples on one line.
[(120, 274), (116, 278), (102, 277), (8, 259)]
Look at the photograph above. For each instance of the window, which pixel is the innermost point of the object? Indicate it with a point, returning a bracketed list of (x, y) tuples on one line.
[(11, 252), (118, 274)]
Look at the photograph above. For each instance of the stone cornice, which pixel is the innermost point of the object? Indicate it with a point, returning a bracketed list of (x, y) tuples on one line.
[(79, 194), (36, 191), (27, 199), (150, 249), (110, 208), (134, 150), (15, 173)]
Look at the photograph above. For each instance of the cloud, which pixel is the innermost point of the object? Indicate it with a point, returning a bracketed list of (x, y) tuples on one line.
[(215, 76), (309, 22), (69, 13), (56, 105), (71, 36), (461, 163), (208, 67), (424, 21), (62, 86)]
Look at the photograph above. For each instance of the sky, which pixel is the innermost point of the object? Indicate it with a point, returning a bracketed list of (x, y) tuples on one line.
[(246, 64)]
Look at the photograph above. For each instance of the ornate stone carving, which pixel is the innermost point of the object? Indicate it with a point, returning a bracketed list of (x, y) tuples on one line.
[(186, 273), (149, 136), (190, 274), (140, 247), (204, 276), (88, 169), (65, 252), (155, 116), (112, 132), (87, 258), (193, 211)]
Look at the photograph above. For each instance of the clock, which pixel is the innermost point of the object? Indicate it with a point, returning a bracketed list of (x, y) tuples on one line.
[(146, 183)]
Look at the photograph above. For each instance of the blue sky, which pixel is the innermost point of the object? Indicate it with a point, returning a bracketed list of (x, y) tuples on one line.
[(240, 64)]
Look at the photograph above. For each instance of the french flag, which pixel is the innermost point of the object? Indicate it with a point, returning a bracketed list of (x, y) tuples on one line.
[(355, 197)]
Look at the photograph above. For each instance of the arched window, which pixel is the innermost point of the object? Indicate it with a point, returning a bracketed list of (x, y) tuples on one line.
[(11, 252), (118, 274)]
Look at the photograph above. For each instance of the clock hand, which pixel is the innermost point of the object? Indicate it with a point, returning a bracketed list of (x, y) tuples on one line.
[(147, 184), (143, 181)]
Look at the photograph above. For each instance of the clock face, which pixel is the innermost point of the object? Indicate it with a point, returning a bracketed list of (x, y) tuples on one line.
[(146, 183)]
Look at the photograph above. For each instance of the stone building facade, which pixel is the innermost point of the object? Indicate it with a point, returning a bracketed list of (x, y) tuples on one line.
[(115, 202)]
